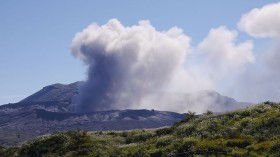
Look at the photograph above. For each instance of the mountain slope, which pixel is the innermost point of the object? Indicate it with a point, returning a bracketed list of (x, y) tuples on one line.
[(51, 109), (55, 92), (198, 101), (21, 125), (250, 132)]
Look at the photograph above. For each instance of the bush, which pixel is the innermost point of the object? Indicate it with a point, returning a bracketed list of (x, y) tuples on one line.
[(8, 151), (208, 113), (187, 145), (164, 131), (135, 151), (157, 153), (163, 142), (261, 147), (189, 117), (134, 137), (213, 145), (45, 145), (275, 147), (190, 130), (240, 143)]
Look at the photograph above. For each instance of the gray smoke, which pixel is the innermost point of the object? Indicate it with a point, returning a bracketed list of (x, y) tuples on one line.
[(126, 64)]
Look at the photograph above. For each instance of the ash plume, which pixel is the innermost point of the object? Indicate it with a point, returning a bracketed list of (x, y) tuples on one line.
[(140, 67), (136, 66), (126, 64)]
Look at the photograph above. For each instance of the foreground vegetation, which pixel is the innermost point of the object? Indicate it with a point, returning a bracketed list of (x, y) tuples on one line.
[(253, 131)]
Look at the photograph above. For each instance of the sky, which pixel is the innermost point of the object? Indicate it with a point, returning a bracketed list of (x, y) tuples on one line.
[(36, 38)]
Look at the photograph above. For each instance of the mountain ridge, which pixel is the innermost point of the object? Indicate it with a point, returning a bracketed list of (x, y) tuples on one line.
[(54, 92), (51, 109), (163, 100)]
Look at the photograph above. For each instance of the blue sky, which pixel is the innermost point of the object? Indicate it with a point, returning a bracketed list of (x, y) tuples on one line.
[(35, 36)]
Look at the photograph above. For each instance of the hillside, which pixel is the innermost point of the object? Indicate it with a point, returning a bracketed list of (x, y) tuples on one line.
[(51, 109), (19, 125), (54, 92), (254, 131)]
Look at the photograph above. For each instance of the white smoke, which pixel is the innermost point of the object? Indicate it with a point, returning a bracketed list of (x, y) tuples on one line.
[(126, 64), (221, 56), (138, 67)]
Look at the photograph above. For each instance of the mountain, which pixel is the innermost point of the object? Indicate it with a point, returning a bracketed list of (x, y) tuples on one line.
[(249, 132), (199, 101), (58, 97), (19, 125), (55, 92), (51, 109)]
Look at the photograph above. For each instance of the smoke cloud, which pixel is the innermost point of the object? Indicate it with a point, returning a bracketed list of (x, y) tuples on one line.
[(221, 56), (141, 67), (261, 81), (126, 64)]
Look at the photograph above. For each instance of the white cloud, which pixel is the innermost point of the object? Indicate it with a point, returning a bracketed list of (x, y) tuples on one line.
[(262, 22), (221, 55)]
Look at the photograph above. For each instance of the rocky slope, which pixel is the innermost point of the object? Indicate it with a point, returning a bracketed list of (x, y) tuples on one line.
[(55, 92), (58, 97), (50, 110), (19, 125)]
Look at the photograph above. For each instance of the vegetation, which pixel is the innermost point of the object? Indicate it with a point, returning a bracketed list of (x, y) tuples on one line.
[(253, 132)]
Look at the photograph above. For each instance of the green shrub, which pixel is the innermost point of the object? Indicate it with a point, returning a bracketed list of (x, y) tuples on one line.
[(164, 131), (52, 144), (135, 151), (190, 130), (163, 142), (240, 143), (189, 117), (134, 137), (187, 145), (213, 145), (157, 153), (261, 147), (8, 151), (275, 147)]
